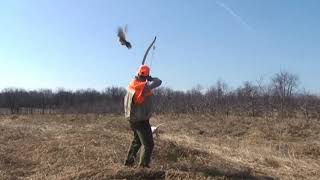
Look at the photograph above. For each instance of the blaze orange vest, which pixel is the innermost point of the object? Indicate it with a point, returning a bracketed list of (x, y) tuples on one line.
[(138, 87)]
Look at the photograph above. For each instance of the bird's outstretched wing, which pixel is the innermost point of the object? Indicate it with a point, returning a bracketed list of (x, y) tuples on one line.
[(126, 28)]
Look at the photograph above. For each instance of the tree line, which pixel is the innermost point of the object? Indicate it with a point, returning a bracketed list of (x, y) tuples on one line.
[(20, 101), (280, 96)]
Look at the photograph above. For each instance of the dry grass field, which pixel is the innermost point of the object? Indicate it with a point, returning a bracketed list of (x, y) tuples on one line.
[(189, 147)]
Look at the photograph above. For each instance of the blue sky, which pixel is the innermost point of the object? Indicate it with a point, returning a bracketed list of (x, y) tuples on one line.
[(73, 43)]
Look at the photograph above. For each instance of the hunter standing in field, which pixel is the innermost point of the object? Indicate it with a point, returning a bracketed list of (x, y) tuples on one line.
[(138, 109)]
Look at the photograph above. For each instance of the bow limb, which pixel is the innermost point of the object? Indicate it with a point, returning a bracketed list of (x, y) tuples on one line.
[(146, 54)]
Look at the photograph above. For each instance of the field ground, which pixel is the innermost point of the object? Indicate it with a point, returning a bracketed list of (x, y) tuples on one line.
[(189, 147)]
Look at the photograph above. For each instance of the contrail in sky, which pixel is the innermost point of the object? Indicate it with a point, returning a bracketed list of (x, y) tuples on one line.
[(235, 15)]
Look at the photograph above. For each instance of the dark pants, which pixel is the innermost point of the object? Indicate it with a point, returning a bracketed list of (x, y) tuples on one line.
[(142, 136)]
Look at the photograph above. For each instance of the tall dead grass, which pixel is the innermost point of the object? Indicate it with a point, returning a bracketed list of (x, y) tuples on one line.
[(190, 147)]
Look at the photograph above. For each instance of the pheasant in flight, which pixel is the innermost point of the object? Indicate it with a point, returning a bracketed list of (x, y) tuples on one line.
[(122, 38)]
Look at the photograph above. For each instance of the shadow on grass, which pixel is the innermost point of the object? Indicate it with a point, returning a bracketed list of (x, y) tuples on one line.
[(200, 173), (198, 163), (228, 172)]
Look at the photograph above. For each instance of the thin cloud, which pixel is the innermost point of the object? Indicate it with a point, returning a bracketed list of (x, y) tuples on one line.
[(235, 15)]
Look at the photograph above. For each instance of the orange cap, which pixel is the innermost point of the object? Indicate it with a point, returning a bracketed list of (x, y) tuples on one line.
[(143, 70)]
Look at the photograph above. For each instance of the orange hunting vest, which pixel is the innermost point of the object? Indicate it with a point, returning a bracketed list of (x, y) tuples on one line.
[(138, 87)]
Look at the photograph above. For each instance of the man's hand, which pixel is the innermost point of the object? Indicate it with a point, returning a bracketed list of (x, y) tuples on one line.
[(149, 78)]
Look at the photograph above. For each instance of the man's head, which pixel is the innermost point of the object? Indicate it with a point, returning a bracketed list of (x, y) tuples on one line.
[(143, 72)]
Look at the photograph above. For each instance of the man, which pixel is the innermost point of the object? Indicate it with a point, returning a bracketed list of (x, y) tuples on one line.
[(138, 109)]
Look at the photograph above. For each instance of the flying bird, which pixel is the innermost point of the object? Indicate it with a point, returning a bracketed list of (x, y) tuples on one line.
[(122, 37)]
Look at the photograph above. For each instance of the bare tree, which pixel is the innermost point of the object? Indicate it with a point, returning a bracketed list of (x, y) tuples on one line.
[(248, 96), (284, 84)]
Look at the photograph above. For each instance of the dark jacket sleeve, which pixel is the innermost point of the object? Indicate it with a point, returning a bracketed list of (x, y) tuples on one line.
[(156, 82)]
